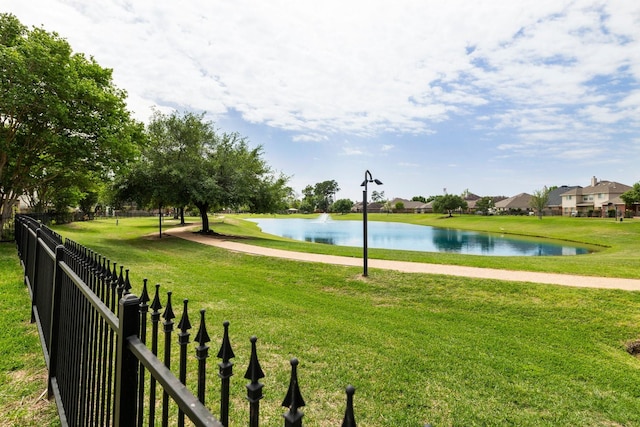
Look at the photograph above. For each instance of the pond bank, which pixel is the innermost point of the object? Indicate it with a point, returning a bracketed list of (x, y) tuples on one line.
[(414, 267)]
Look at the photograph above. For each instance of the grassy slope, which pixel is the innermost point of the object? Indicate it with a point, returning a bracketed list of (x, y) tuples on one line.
[(418, 348)]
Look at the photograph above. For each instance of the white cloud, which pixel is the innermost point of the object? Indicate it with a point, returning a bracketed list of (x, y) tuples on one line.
[(528, 78)]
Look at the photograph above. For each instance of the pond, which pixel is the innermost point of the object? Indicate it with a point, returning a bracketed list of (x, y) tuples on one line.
[(411, 237)]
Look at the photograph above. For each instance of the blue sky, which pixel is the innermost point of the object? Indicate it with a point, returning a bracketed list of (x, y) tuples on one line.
[(498, 97)]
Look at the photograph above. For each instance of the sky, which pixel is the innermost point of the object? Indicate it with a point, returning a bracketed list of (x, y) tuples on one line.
[(497, 97)]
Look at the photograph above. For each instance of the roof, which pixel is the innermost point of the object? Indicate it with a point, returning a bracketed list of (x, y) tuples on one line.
[(605, 187), (408, 204), (555, 196), (519, 201)]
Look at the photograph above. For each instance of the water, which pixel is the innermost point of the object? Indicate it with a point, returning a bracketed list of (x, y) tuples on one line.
[(393, 235)]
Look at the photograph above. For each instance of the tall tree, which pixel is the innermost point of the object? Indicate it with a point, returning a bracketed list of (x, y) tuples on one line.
[(449, 203), (378, 196), (188, 161), (342, 206), (631, 196), (324, 193), (60, 114), (539, 200), (485, 204)]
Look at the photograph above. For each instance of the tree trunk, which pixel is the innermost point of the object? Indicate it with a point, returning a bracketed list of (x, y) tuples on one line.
[(203, 208), (182, 215), (6, 215)]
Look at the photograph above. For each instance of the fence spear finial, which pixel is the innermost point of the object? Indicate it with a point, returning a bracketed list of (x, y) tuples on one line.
[(144, 296), (202, 337), (293, 400), (254, 371), (184, 323), (168, 314), (156, 305), (349, 419), (226, 352)]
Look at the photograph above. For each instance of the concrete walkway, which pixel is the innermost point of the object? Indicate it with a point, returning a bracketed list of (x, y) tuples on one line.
[(414, 267)]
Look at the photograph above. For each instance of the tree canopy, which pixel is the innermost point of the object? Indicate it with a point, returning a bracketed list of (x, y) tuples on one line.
[(187, 161), (485, 204), (539, 200), (342, 206), (448, 203), (319, 196), (61, 117), (631, 196)]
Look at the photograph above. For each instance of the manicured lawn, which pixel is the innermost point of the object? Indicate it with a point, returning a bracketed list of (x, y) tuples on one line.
[(418, 348), (23, 374)]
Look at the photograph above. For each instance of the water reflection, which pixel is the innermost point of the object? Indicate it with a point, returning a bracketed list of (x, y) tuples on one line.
[(390, 235)]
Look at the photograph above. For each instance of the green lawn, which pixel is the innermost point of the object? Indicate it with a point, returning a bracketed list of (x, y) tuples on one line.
[(23, 374), (418, 348)]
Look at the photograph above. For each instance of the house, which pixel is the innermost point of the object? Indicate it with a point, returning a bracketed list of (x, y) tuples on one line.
[(554, 204), (410, 206), (517, 204), (373, 207), (594, 200), (471, 200)]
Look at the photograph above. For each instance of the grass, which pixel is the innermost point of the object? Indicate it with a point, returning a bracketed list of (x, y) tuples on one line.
[(23, 374), (418, 348)]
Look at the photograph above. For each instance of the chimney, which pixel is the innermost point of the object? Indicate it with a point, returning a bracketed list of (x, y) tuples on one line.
[(594, 181)]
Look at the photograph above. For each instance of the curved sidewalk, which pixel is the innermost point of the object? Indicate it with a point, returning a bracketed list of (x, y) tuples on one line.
[(415, 267)]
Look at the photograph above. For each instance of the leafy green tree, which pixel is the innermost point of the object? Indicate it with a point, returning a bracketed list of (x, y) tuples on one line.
[(308, 203), (539, 200), (631, 196), (448, 203), (485, 204), (419, 199), (188, 161), (399, 206), (324, 193), (378, 196), (60, 115), (342, 206)]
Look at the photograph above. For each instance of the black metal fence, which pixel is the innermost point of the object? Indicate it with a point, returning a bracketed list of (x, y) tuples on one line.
[(101, 344)]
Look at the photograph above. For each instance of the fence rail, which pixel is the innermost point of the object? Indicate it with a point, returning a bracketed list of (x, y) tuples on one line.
[(103, 367)]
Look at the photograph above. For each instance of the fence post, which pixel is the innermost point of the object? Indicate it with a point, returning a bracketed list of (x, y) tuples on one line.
[(126, 393), (55, 320), (254, 388), (225, 373), (202, 352), (144, 309), (168, 316), (183, 339), (34, 285)]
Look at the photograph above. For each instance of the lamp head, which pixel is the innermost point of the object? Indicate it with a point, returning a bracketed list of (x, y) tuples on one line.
[(377, 181)]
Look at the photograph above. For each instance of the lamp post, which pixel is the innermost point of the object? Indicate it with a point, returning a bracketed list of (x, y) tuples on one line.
[(367, 179)]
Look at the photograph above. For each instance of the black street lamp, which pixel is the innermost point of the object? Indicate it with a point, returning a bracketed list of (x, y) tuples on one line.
[(367, 179)]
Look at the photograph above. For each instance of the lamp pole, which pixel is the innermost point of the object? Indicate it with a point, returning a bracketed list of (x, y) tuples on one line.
[(367, 179)]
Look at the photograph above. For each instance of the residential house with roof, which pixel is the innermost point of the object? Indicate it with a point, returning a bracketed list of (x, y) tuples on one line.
[(409, 206), (554, 204), (595, 199), (372, 207), (518, 204)]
